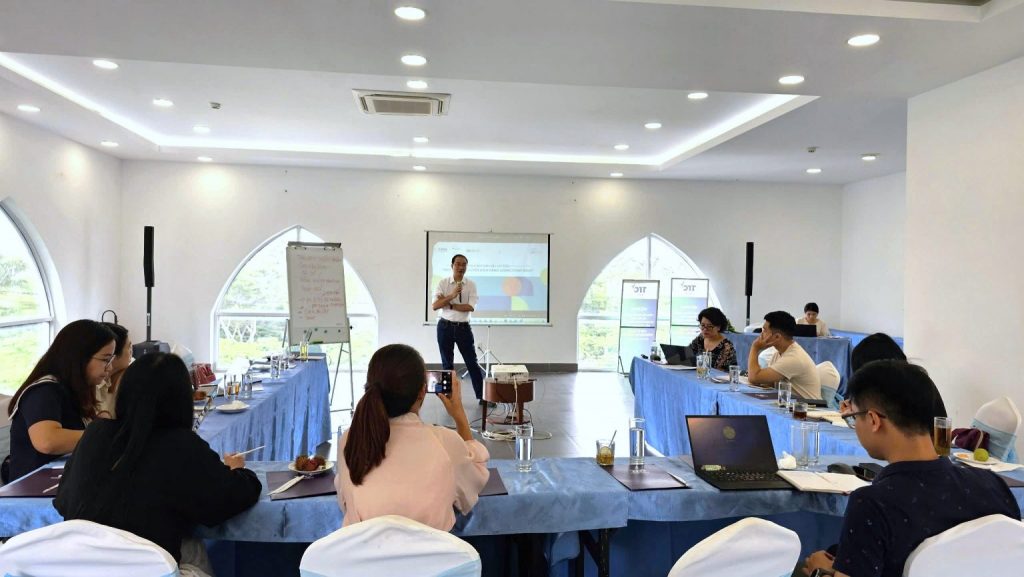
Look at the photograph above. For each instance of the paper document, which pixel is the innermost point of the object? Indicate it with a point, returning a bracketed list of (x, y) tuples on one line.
[(823, 482), (680, 368)]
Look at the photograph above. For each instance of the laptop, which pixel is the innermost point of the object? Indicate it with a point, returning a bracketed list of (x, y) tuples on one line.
[(734, 452), (806, 331), (677, 355)]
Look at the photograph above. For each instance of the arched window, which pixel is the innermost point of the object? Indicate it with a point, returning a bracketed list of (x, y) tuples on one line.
[(26, 309), (250, 315), (651, 257)]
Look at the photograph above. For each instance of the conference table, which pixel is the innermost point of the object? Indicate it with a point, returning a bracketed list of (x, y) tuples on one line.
[(290, 415), (856, 338), (665, 396)]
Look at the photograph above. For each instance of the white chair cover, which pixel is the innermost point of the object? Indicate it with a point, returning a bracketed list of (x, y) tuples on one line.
[(84, 549), (830, 380), (751, 328), (390, 545), (765, 357), (991, 545), (1001, 420), (751, 547)]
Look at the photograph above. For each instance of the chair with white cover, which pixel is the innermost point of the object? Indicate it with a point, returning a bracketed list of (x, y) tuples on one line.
[(765, 358), (84, 549), (390, 545), (750, 329), (830, 379), (991, 545), (1001, 420), (768, 551)]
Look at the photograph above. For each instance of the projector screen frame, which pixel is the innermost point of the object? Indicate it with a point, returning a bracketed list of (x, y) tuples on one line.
[(430, 316)]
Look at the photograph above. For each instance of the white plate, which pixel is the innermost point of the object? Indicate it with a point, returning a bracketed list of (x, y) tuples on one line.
[(235, 407), (327, 467), (969, 458)]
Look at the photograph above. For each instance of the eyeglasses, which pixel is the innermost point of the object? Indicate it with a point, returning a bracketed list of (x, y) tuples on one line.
[(107, 361), (851, 418), (706, 327)]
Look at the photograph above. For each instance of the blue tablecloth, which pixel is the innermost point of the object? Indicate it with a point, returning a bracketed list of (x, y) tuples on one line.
[(856, 338), (291, 415), (664, 397)]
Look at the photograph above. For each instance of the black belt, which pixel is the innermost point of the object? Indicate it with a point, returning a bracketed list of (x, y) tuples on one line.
[(455, 322)]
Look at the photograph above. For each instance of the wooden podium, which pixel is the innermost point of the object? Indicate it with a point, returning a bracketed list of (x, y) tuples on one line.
[(506, 392)]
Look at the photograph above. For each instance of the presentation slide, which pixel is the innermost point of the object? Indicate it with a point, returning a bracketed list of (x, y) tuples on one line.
[(510, 271)]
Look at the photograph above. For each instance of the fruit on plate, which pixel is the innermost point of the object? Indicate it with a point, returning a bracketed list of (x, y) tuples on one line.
[(308, 464), (980, 455)]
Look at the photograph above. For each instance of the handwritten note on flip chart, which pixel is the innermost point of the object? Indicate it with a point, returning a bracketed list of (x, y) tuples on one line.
[(316, 293)]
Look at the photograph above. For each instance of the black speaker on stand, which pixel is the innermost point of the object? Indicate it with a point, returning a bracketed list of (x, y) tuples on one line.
[(149, 346), (749, 286)]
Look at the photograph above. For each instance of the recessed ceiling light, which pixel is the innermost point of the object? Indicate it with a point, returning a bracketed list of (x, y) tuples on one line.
[(419, 168), (104, 64), (869, 157), (616, 175), (201, 129), (621, 147), (410, 13), (417, 84), (28, 108), (109, 144), (652, 125), (204, 159), (697, 95), (413, 60), (791, 80), (863, 40), (813, 171), (162, 102), (420, 139)]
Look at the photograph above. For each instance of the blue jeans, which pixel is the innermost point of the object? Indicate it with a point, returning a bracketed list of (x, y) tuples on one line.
[(450, 334)]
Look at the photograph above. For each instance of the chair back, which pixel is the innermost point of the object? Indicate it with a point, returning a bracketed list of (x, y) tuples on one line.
[(1000, 418), (390, 545), (830, 379), (991, 545), (767, 550), (765, 358), (84, 549)]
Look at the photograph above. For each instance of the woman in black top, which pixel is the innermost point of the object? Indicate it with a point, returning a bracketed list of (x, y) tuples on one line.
[(712, 324), (49, 411), (146, 472)]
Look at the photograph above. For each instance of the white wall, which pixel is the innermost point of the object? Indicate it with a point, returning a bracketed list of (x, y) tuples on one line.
[(874, 226), (70, 195), (965, 228), (209, 217)]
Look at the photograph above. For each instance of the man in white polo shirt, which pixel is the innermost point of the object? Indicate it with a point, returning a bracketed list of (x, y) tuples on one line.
[(454, 301), (790, 360)]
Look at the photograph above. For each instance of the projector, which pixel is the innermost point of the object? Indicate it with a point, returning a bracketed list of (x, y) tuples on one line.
[(510, 373)]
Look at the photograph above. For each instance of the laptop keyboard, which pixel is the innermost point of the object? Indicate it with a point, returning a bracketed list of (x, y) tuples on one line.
[(740, 475)]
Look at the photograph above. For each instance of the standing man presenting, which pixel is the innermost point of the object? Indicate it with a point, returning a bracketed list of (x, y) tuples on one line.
[(454, 300)]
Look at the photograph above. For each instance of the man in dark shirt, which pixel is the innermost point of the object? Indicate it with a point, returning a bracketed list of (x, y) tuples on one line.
[(919, 494)]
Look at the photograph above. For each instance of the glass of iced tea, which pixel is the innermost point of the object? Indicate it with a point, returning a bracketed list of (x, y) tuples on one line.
[(800, 410), (605, 452), (942, 435)]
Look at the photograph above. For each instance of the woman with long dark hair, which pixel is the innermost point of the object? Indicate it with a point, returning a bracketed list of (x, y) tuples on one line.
[(147, 472), (106, 392), (391, 463), (50, 409)]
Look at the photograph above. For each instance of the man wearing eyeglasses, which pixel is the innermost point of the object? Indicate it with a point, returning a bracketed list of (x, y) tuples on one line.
[(790, 361), (918, 494)]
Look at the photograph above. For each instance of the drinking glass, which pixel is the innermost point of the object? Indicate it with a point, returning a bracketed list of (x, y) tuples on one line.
[(800, 410), (734, 378), (524, 448), (942, 435), (815, 454), (801, 442), (605, 452), (785, 394), (637, 447)]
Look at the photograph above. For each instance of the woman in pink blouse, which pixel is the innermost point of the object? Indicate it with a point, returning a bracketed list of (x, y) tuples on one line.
[(391, 463)]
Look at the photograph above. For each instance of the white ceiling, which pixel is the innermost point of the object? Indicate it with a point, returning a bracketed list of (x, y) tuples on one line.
[(538, 86)]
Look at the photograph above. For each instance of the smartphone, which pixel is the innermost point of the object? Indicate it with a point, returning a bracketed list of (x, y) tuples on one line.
[(439, 382)]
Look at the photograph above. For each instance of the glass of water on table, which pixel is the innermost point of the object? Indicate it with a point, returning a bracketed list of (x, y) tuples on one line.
[(524, 448)]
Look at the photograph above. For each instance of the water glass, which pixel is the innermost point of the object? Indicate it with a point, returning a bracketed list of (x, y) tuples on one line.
[(275, 367), (801, 442), (702, 366), (734, 378), (524, 448), (942, 435), (605, 452), (785, 394), (246, 387), (637, 443), (815, 454)]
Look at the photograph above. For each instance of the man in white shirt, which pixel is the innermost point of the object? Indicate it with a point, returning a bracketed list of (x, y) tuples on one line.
[(454, 301), (790, 360)]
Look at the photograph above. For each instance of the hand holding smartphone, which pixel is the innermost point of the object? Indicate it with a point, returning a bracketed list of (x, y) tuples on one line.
[(439, 382)]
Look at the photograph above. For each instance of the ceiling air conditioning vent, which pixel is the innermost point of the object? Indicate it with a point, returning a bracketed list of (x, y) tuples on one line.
[(402, 103)]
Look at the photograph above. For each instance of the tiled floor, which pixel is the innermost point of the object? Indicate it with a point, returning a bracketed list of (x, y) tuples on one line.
[(574, 408)]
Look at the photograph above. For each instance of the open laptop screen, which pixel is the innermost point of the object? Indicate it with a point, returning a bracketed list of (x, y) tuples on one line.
[(735, 442)]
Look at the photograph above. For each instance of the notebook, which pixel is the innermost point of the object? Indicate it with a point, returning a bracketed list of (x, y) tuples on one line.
[(816, 482)]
